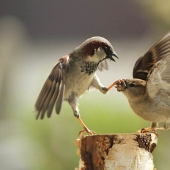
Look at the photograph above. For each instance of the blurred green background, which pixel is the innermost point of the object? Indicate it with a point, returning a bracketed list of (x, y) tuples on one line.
[(33, 36)]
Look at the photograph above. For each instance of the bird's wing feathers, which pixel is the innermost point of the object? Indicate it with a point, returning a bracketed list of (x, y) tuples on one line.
[(103, 65), (53, 89), (159, 77), (145, 63)]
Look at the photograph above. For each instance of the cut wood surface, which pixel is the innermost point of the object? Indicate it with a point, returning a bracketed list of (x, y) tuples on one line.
[(117, 151)]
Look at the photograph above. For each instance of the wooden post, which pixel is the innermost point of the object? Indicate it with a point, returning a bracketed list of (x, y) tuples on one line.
[(117, 151)]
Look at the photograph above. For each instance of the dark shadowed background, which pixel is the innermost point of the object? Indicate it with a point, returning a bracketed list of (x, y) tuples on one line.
[(33, 36)]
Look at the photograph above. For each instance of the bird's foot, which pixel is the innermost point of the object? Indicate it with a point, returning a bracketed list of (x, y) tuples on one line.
[(119, 83), (160, 128), (148, 130), (90, 132), (86, 129)]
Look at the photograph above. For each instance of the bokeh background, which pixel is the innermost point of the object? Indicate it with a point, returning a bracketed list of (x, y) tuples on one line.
[(33, 36)]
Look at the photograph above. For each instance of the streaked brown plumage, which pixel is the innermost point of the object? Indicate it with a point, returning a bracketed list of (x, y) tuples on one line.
[(145, 63), (148, 92), (72, 75)]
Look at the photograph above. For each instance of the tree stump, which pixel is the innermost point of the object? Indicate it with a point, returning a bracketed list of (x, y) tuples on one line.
[(117, 151)]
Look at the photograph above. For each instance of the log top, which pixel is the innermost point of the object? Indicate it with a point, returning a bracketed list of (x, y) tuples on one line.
[(112, 151)]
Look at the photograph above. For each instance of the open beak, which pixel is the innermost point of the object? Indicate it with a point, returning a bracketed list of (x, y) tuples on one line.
[(112, 55)]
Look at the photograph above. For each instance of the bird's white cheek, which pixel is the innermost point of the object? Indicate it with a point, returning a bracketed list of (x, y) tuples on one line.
[(99, 55), (93, 58)]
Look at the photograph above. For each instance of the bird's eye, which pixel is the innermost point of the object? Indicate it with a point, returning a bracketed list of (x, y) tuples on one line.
[(107, 50), (131, 85)]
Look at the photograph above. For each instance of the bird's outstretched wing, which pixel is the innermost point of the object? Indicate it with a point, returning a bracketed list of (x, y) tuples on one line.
[(159, 78), (145, 63), (53, 89)]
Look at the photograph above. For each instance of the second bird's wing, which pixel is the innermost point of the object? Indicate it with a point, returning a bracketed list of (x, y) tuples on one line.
[(159, 78), (145, 63)]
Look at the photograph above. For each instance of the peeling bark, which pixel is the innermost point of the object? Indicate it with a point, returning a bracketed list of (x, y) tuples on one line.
[(117, 151)]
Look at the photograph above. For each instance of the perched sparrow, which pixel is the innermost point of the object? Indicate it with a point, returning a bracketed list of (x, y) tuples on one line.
[(149, 92), (72, 75)]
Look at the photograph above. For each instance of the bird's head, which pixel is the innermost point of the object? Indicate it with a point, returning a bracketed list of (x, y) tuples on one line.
[(96, 49), (132, 88)]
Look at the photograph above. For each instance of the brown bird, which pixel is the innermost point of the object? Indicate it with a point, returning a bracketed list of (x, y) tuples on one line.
[(149, 92), (74, 74)]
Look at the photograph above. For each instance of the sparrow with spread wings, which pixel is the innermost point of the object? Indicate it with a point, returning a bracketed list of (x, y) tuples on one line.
[(74, 74), (148, 92)]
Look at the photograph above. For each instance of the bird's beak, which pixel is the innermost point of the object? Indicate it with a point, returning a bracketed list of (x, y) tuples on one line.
[(112, 55)]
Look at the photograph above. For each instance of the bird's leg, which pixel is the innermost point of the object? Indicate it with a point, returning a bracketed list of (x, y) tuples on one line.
[(85, 128), (166, 126), (120, 85), (96, 83), (74, 104), (117, 83)]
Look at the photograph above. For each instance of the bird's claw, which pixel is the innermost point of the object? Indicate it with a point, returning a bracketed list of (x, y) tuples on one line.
[(120, 84), (88, 131), (148, 130)]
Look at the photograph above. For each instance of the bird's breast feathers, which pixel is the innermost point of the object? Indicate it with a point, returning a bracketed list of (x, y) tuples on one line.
[(77, 83)]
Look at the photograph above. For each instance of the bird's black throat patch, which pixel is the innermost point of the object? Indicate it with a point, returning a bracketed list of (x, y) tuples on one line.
[(89, 67)]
